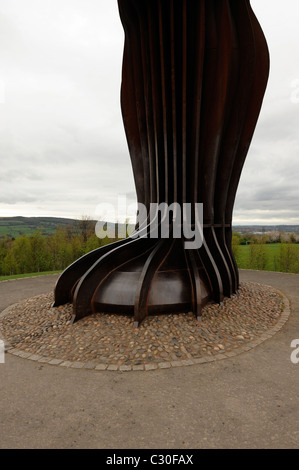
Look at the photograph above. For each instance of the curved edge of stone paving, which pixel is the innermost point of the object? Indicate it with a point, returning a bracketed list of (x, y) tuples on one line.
[(163, 364)]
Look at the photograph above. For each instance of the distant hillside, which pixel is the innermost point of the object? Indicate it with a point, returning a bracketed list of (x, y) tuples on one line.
[(16, 226), (266, 228)]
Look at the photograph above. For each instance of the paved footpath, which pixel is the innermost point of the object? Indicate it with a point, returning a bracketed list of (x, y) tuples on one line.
[(249, 401)]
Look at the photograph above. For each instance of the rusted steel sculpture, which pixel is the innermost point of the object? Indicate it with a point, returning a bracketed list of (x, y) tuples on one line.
[(194, 78)]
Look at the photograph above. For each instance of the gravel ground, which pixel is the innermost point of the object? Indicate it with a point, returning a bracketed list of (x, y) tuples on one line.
[(33, 326)]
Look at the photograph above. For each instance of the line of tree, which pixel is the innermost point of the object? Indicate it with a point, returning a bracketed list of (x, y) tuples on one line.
[(39, 253), (266, 238)]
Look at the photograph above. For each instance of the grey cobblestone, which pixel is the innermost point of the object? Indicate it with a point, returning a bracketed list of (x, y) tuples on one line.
[(151, 366), (164, 365), (66, 364), (125, 368), (140, 367), (55, 362), (101, 367), (77, 365)]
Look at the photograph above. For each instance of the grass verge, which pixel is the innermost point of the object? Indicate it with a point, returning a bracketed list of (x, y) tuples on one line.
[(20, 276)]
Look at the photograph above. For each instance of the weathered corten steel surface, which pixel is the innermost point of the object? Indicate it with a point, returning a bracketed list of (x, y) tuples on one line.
[(194, 77)]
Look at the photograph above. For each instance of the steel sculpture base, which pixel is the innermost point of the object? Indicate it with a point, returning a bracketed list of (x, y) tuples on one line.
[(194, 77)]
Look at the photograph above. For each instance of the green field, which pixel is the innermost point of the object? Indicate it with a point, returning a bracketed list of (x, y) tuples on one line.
[(20, 276), (276, 257)]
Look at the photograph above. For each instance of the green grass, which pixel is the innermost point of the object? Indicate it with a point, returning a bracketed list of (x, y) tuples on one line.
[(272, 252), (20, 276)]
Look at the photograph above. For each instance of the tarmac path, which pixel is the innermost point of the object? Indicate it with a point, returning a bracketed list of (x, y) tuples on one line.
[(248, 401)]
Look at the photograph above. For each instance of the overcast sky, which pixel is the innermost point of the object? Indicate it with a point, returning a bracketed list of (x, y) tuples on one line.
[(62, 144)]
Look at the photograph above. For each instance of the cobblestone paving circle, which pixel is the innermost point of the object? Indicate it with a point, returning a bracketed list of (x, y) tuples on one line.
[(32, 329)]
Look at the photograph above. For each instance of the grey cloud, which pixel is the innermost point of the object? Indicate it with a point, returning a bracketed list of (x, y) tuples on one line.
[(11, 176)]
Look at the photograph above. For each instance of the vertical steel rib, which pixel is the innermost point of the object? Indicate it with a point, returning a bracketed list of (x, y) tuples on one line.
[(173, 102), (147, 74), (184, 103), (165, 107), (197, 90)]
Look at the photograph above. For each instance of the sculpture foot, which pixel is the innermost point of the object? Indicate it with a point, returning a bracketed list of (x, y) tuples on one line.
[(138, 277)]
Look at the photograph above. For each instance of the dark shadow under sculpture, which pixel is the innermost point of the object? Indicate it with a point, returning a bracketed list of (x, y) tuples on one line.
[(194, 77)]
